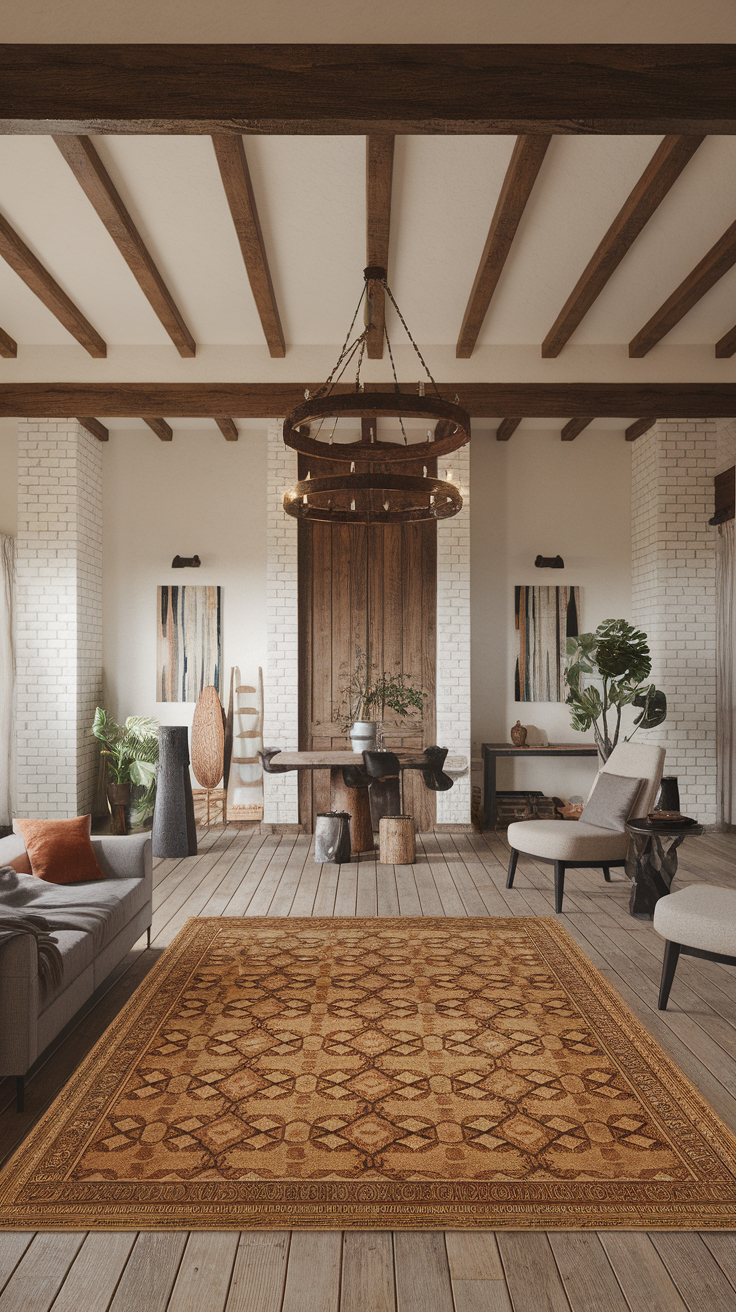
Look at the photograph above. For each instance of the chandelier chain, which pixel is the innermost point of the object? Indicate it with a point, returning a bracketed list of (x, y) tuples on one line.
[(411, 339), (325, 389), (396, 381)]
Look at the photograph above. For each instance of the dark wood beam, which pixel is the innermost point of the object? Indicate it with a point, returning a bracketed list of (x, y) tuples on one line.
[(638, 429), (235, 175), (726, 345), (22, 260), (719, 260), (95, 428), (379, 167), (8, 347), (359, 89), (99, 188), (506, 428), (160, 427), (575, 426), (266, 400), (227, 428), (521, 174), (664, 168)]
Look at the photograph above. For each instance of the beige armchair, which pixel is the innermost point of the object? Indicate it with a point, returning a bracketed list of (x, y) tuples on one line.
[(574, 845)]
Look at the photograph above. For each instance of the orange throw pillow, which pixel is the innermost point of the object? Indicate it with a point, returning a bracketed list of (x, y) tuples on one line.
[(60, 851)]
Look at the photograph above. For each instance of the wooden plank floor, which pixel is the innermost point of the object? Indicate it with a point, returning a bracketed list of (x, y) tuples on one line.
[(242, 873)]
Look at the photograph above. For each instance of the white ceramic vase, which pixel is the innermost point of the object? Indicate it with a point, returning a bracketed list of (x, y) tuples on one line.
[(363, 736)]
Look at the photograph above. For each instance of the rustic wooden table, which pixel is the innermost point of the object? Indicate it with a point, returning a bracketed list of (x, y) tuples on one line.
[(491, 751)]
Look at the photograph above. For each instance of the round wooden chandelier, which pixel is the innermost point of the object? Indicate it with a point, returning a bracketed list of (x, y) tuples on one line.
[(370, 495)]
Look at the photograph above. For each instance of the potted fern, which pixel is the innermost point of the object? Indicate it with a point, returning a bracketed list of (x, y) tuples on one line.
[(130, 753)]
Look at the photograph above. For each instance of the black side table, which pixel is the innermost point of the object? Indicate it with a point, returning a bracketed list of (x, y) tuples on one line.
[(651, 862)]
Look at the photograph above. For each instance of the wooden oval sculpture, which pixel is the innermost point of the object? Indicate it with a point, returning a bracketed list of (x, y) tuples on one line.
[(208, 739)]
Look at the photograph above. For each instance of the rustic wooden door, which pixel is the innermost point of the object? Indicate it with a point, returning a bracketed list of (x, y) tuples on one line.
[(370, 589)]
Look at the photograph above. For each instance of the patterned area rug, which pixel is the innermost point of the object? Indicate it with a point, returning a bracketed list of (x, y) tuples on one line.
[(418, 1073)]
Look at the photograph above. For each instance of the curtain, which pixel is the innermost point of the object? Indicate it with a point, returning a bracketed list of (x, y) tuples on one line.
[(7, 680), (726, 671)]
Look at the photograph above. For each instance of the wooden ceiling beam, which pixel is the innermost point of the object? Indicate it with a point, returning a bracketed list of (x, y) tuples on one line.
[(379, 167), (100, 190), (361, 89), (664, 168), (160, 427), (8, 346), (521, 174), (506, 428), (235, 175), (95, 429), (22, 260), (265, 400), (638, 429), (726, 345), (227, 427), (719, 259), (575, 426)]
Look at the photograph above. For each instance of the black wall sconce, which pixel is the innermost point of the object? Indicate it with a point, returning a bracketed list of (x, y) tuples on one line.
[(549, 562), (185, 562)]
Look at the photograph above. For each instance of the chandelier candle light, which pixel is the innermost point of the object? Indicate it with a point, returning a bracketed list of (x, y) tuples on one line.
[(366, 494)]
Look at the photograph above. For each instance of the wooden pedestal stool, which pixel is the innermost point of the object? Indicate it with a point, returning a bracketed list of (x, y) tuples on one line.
[(396, 840)]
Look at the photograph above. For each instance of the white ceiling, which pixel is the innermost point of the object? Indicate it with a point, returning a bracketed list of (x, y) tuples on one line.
[(310, 193)]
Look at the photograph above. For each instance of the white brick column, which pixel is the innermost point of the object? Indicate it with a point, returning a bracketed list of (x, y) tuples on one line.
[(281, 677), (453, 641), (58, 616), (673, 596)]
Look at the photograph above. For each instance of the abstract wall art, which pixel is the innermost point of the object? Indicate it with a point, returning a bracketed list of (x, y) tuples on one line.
[(188, 656), (545, 618)]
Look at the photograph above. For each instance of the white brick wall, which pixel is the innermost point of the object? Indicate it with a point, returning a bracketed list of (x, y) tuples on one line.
[(59, 616), (453, 641), (281, 677), (673, 596)]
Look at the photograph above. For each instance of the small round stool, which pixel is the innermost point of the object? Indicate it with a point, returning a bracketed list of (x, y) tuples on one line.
[(396, 840)]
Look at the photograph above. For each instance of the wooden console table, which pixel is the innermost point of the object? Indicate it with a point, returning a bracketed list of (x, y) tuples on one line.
[(491, 751)]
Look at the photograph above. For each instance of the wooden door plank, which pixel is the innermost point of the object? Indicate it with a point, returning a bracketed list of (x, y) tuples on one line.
[(586, 1273), (13, 1245), (313, 1272), (386, 891), (694, 1270), (40, 1273), (641, 1272), (93, 1278), (259, 1273), (347, 890), (367, 1272), (149, 1276), (203, 1278), (531, 1272), (473, 1255), (481, 1296), (422, 1272)]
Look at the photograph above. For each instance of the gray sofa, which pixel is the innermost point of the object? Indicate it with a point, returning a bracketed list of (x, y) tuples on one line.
[(115, 911)]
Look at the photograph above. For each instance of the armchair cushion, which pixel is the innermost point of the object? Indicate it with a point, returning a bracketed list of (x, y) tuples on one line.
[(701, 916), (610, 803), (566, 840)]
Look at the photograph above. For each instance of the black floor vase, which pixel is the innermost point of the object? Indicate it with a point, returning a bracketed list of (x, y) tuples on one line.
[(174, 829)]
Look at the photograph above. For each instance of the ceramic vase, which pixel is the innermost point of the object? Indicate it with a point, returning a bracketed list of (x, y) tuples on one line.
[(518, 734), (363, 736)]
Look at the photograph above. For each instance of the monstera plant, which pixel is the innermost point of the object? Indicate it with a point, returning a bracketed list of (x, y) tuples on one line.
[(606, 671)]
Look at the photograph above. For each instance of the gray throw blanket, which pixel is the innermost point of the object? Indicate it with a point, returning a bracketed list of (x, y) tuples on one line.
[(15, 922), (84, 906)]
